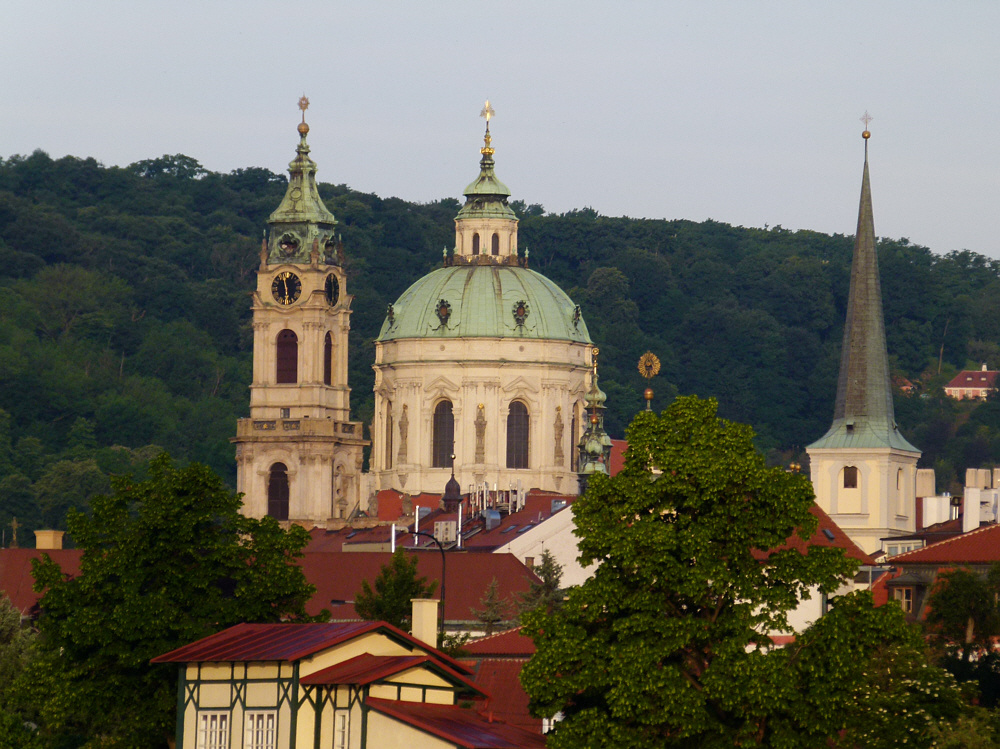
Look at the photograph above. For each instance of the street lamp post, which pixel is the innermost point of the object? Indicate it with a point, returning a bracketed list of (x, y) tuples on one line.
[(441, 549)]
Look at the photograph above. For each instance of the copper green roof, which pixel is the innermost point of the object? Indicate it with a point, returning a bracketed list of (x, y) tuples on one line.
[(487, 196), (863, 416), (301, 220), (484, 301)]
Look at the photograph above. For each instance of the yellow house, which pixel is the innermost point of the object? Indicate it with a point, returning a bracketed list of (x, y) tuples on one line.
[(346, 685)]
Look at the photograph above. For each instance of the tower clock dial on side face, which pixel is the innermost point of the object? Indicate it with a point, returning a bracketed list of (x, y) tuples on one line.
[(332, 289), (286, 288)]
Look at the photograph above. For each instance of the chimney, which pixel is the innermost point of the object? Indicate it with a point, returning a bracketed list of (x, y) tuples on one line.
[(926, 486), (49, 540), (425, 621), (970, 509)]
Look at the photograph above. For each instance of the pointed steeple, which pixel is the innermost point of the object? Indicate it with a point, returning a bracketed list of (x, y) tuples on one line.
[(301, 222), (595, 445), (863, 415)]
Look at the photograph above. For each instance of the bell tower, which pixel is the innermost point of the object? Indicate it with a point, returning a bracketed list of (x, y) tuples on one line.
[(863, 470), (299, 455)]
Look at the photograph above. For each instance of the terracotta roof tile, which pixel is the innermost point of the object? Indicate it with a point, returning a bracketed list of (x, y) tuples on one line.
[(979, 546), (827, 533), (16, 580), (501, 678)]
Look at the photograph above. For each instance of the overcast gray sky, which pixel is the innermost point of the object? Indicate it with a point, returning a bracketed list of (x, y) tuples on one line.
[(744, 112)]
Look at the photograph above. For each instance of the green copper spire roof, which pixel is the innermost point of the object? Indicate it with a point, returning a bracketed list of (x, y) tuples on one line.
[(487, 196), (301, 221), (863, 415)]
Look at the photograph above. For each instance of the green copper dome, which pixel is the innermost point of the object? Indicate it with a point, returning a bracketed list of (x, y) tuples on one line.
[(484, 301)]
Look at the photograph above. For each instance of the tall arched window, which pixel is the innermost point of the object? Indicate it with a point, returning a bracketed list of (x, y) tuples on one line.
[(495, 249), (517, 435), (475, 243), (388, 434), (288, 357), (277, 492), (328, 360), (574, 451), (443, 442)]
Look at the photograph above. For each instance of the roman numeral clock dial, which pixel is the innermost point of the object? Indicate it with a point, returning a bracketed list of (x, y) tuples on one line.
[(286, 288)]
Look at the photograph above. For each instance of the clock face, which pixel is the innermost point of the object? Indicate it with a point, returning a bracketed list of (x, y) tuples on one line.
[(286, 288), (332, 288)]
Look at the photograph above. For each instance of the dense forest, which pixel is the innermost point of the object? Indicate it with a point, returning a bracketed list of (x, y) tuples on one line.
[(125, 318)]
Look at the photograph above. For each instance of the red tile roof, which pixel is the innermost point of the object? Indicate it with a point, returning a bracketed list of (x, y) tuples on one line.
[(501, 678), (15, 573), (464, 728), (971, 379), (338, 576), (821, 537), (509, 643), (288, 642), (617, 461), (979, 546), (367, 669)]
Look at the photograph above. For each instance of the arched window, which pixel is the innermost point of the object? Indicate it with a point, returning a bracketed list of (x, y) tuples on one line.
[(899, 479), (277, 492), (475, 243), (388, 434), (496, 244), (328, 360), (850, 477), (517, 435), (444, 435), (288, 357)]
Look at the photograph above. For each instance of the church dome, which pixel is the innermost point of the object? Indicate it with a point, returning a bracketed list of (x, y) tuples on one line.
[(484, 301)]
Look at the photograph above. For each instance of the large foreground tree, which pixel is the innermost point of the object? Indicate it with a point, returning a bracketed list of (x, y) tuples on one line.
[(165, 562), (666, 645)]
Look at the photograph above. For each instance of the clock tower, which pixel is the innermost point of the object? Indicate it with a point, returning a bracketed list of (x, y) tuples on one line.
[(299, 455)]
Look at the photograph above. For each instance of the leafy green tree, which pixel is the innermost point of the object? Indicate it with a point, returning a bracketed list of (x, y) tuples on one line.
[(395, 585), (666, 644), (963, 611), (165, 561), (494, 609), (544, 594)]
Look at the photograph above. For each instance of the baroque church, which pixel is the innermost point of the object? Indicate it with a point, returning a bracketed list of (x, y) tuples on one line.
[(485, 373), (486, 377)]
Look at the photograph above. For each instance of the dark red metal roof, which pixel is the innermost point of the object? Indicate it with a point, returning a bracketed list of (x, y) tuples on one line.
[(464, 728), (509, 643), (368, 668), (267, 642), (501, 678), (291, 642)]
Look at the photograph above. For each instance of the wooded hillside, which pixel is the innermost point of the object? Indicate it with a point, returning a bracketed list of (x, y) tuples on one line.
[(125, 310)]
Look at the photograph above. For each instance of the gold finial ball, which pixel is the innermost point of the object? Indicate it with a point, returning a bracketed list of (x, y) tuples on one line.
[(593, 418), (866, 135), (303, 128), (648, 394)]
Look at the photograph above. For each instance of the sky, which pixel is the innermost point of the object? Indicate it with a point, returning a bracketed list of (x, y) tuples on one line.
[(742, 112)]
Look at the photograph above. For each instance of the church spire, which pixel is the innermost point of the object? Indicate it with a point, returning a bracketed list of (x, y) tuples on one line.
[(301, 222), (863, 415)]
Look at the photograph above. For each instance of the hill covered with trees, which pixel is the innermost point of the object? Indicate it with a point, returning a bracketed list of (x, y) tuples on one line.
[(125, 318)]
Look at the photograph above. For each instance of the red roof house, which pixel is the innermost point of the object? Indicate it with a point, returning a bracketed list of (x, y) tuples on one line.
[(972, 384)]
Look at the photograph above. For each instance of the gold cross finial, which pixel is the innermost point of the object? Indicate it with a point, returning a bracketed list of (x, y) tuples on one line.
[(303, 105), (866, 118), (15, 525), (488, 112)]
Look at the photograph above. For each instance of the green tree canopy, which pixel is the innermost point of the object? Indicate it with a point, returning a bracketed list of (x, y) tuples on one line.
[(165, 561), (395, 585), (666, 645)]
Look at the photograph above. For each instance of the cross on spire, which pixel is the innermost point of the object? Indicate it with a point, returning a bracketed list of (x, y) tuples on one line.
[(303, 105)]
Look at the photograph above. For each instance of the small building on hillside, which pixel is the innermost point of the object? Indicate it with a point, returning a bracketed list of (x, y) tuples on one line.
[(347, 685), (971, 384)]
